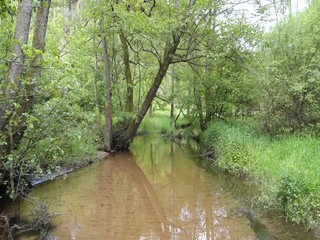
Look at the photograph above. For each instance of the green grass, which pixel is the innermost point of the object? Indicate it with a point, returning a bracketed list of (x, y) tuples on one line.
[(287, 168), (159, 122)]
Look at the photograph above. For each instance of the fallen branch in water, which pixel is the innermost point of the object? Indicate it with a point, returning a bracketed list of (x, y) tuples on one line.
[(208, 154), (39, 225)]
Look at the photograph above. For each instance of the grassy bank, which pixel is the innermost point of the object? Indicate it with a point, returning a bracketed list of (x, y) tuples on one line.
[(159, 122), (287, 168)]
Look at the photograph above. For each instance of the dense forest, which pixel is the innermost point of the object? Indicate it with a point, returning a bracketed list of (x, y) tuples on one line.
[(241, 77)]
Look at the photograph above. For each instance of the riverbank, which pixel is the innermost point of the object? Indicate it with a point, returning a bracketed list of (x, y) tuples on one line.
[(64, 170), (286, 168)]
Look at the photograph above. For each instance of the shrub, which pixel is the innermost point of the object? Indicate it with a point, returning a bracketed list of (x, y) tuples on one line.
[(299, 199), (233, 147)]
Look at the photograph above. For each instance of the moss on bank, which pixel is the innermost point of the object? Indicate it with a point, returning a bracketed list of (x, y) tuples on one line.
[(287, 168)]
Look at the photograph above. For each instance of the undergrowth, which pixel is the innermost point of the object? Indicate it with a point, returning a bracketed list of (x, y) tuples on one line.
[(287, 168)]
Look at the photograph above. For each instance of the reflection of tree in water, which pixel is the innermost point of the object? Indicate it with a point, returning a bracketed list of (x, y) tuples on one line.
[(165, 196), (135, 209), (191, 198)]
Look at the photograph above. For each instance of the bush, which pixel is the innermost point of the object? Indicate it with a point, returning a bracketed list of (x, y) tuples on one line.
[(58, 134), (233, 147), (299, 199)]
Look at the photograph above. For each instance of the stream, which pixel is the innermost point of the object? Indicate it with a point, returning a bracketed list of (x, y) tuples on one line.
[(159, 190)]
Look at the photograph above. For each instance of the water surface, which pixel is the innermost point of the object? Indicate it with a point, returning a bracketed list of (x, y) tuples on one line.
[(159, 191)]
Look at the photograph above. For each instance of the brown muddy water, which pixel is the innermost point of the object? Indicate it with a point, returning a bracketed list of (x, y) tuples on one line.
[(157, 191)]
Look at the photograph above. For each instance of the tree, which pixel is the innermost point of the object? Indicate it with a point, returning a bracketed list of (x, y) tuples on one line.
[(11, 87), (290, 74), (33, 74), (108, 103), (18, 89), (123, 140)]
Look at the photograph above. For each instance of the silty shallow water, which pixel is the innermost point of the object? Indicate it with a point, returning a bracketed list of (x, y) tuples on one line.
[(156, 191)]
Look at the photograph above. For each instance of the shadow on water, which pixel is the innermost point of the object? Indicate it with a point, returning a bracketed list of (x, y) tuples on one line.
[(159, 191)]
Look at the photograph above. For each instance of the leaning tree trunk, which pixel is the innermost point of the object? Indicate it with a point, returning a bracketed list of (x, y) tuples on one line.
[(123, 139), (12, 84)]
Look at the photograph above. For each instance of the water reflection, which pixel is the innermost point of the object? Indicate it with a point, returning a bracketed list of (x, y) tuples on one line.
[(196, 206), (155, 192)]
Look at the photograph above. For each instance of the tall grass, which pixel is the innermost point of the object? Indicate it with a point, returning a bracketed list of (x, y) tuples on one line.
[(287, 168)]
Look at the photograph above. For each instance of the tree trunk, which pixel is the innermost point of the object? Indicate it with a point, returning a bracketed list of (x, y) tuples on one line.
[(12, 83), (108, 103), (123, 139), (208, 105), (172, 95), (95, 80), (139, 79), (198, 101), (35, 69), (38, 43), (207, 91), (115, 75), (14, 102), (129, 80)]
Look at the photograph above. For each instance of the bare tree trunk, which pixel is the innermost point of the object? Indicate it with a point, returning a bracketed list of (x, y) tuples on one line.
[(129, 80), (108, 103), (95, 79), (115, 75)]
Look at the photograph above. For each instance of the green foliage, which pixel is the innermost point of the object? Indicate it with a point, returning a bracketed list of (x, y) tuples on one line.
[(64, 138), (58, 134), (7, 8), (234, 147), (290, 74), (299, 198), (6, 32)]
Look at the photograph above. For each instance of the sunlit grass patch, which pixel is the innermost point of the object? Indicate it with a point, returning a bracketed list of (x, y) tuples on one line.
[(160, 122)]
